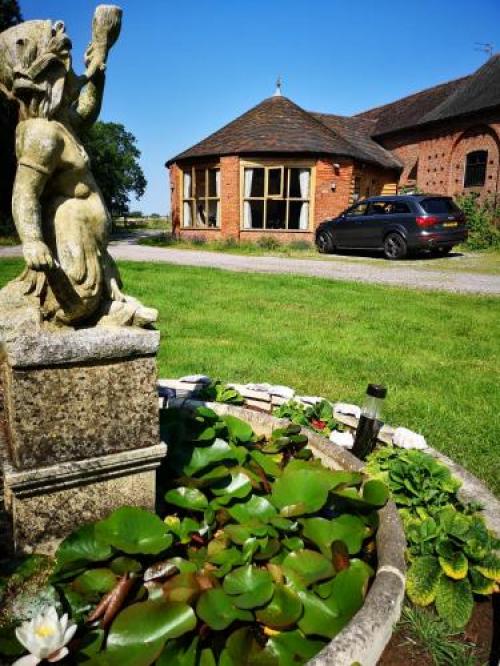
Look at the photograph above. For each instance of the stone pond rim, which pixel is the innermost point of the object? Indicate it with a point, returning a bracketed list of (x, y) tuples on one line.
[(364, 639)]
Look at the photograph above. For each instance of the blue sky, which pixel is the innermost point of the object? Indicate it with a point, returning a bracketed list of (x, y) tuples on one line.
[(182, 69)]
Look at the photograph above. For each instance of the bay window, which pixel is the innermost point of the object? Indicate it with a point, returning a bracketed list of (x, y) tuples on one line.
[(276, 197), (201, 197)]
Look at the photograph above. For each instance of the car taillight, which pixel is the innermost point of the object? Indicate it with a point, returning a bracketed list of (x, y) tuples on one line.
[(427, 221)]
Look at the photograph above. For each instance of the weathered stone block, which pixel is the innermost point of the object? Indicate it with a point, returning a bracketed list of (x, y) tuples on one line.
[(47, 503), (75, 395)]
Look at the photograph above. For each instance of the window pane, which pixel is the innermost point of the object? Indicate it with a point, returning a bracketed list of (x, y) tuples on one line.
[(276, 214), (274, 185), (213, 177), (201, 213), (475, 168), (213, 213), (299, 183), (298, 215), (439, 205), (200, 183), (254, 212), (357, 210), (257, 182)]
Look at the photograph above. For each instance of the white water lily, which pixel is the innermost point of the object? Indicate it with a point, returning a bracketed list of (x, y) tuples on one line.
[(45, 637)]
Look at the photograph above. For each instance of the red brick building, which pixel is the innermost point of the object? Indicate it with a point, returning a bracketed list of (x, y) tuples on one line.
[(280, 170)]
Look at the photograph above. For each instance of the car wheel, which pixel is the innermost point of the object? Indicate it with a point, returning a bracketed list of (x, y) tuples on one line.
[(395, 246), (324, 242)]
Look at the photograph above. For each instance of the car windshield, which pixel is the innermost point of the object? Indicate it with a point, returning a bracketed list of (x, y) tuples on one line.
[(439, 206)]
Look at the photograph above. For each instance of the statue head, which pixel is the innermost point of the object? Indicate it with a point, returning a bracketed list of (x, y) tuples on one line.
[(35, 58)]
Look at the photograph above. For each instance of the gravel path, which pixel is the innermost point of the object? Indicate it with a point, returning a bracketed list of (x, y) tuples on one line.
[(335, 268)]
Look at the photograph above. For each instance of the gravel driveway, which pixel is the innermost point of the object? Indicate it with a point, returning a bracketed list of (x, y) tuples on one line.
[(335, 268)]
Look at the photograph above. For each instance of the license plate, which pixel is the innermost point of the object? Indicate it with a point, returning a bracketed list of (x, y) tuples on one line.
[(450, 224)]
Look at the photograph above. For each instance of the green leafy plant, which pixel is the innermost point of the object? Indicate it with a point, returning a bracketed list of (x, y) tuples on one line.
[(482, 217), (216, 391), (319, 417), (268, 243), (452, 554), (261, 556)]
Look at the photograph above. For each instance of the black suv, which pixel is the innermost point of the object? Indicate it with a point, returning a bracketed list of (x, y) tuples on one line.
[(397, 225)]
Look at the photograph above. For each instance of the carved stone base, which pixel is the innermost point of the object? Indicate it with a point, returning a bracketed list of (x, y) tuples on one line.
[(47, 503), (81, 429)]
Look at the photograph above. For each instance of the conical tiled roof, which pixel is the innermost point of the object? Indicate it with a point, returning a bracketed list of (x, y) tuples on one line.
[(278, 125)]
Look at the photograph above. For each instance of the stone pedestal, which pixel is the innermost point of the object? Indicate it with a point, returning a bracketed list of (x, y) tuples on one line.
[(80, 412)]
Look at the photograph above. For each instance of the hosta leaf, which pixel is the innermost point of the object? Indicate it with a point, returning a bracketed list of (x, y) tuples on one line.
[(191, 499), (454, 601), (480, 584), (217, 609), (422, 580), (305, 567), (251, 587), (283, 610), (490, 567), (454, 565), (134, 530)]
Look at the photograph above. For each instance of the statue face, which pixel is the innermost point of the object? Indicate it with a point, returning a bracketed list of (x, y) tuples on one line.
[(36, 60)]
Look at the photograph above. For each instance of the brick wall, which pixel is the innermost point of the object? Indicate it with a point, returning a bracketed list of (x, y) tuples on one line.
[(440, 155), (175, 177), (333, 188)]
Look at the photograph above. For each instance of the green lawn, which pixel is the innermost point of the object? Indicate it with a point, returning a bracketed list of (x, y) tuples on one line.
[(438, 353)]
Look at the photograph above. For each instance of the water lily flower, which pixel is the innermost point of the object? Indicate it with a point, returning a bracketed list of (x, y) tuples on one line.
[(45, 637)]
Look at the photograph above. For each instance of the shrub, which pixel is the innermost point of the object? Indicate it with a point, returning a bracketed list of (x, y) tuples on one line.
[(300, 245), (268, 243), (198, 240), (230, 243), (482, 216)]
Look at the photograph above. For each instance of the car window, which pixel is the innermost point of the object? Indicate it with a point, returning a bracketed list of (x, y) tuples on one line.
[(360, 209), (399, 207), (439, 205), (377, 208)]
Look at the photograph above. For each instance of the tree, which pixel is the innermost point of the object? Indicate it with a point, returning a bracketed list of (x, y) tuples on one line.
[(114, 160), (10, 15)]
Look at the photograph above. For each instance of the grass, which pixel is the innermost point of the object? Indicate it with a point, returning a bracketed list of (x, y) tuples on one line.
[(485, 262), (438, 353), (431, 636)]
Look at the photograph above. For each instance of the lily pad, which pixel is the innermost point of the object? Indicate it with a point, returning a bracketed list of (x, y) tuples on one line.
[(191, 499), (134, 530), (239, 486), (347, 528), (305, 567), (82, 546), (202, 456), (95, 582), (257, 507), (217, 609), (303, 489), (249, 586), (283, 610), (292, 647), (318, 618), (239, 430)]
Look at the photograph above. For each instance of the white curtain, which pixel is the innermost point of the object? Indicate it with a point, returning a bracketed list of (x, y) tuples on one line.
[(304, 180), (187, 217), (247, 209), (217, 192), (187, 185), (187, 214)]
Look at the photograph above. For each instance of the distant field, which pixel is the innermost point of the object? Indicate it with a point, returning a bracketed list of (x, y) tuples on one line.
[(438, 353)]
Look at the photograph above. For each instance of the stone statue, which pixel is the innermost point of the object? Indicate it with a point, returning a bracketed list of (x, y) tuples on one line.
[(70, 280)]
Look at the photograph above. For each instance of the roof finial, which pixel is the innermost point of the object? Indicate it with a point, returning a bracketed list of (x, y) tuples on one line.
[(278, 87)]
